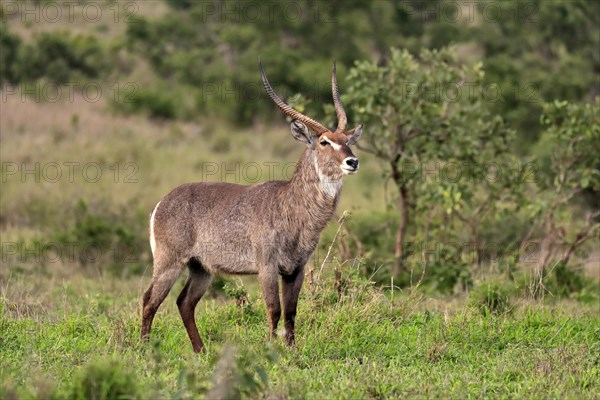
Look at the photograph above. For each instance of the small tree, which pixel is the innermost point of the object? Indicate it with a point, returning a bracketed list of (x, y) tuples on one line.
[(572, 136), (422, 114)]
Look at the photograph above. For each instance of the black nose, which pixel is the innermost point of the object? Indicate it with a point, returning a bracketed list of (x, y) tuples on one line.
[(353, 162)]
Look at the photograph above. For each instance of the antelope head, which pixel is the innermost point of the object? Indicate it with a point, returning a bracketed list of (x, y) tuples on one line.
[(330, 150)]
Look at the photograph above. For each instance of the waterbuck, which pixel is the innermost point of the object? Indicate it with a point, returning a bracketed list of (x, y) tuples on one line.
[(270, 229)]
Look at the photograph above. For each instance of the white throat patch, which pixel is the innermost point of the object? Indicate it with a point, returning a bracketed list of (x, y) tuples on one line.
[(329, 186)]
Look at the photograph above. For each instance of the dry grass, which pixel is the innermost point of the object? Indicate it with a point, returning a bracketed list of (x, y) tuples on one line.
[(98, 18), (159, 155)]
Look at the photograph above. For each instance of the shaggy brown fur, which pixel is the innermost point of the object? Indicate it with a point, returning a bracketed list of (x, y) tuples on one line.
[(269, 229)]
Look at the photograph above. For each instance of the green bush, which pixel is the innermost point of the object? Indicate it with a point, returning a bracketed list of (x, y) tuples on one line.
[(9, 50), (103, 238), (560, 281), (243, 300), (180, 4), (105, 379), (156, 103), (60, 57), (492, 297), (565, 280), (446, 277), (375, 231)]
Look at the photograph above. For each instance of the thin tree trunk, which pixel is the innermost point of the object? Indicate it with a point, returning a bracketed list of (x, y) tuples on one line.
[(475, 242), (401, 231)]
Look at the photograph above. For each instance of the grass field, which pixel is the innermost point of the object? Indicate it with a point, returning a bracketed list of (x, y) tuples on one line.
[(75, 337), (71, 331)]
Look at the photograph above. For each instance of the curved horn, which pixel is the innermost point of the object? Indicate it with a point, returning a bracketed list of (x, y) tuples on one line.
[(311, 123), (339, 108)]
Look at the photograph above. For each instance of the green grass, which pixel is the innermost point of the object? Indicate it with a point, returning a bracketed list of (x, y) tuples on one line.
[(68, 331), (72, 331), (54, 342)]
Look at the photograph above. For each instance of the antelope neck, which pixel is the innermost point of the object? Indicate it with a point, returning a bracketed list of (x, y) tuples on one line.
[(308, 189)]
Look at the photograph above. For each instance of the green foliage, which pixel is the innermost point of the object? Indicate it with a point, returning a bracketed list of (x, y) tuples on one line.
[(10, 45), (103, 238), (154, 102), (216, 47), (180, 4), (561, 281), (417, 111), (569, 167), (61, 58), (105, 379), (438, 138), (238, 292), (375, 232), (492, 297), (555, 51), (358, 345), (573, 135), (448, 273)]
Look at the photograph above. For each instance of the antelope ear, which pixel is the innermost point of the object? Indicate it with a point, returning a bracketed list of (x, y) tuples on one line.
[(354, 134), (301, 133)]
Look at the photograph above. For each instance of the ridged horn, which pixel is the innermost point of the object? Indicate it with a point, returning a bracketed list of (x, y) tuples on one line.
[(311, 123), (339, 108)]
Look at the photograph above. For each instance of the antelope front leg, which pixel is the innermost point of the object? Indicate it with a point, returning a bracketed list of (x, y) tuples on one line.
[(291, 290), (269, 284)]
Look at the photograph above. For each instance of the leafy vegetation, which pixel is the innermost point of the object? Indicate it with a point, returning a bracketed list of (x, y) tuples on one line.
[(435, 138), (465, 261), (56, 56), (84, 344)]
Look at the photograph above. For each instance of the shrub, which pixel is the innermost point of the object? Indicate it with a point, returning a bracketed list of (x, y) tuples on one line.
[(100, 236), (492, 298), (560, 281), (448, 275), (60, 57), (156, 103), (104, 379), (243, 300), (242, 375), (9, 50), (180, 4), (375, 232)]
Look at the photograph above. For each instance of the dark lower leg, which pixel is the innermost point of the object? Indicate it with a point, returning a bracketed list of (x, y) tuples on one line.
[(270, 289), (154, 296), (291, 290), (274, 316), (290, 333), (194, 289), (147, 316)]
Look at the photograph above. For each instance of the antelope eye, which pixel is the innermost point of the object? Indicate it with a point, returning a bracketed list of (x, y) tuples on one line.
[(324, 143)]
